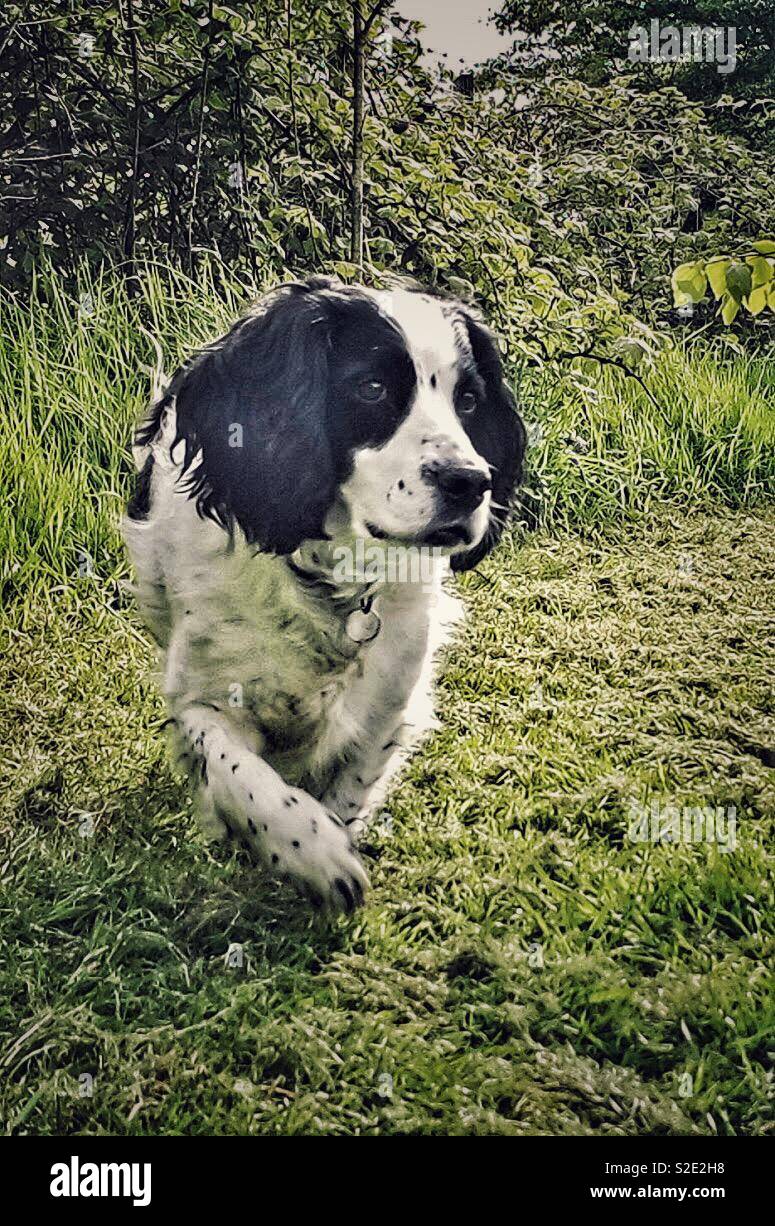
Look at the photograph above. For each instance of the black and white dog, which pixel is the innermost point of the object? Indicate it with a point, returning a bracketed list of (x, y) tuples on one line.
[(329, 418)]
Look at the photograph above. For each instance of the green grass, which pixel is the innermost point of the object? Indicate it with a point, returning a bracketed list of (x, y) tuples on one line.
[(521, 967)]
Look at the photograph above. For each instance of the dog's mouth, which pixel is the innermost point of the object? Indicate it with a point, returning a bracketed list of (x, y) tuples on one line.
[(376, 532), (442, 536), (447, 536)]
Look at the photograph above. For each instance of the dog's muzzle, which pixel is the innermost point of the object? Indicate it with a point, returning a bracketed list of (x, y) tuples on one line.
[(461, 486), (460, 489)]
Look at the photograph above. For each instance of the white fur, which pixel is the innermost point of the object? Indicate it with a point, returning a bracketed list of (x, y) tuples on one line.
[(386, 487)]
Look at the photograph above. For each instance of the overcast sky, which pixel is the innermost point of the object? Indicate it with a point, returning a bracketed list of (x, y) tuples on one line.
[(459, 27)]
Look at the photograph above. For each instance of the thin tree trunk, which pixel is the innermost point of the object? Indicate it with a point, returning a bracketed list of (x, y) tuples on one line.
[(361, 30), (356, 214), (295, 127), (130, 224), (200, 135)]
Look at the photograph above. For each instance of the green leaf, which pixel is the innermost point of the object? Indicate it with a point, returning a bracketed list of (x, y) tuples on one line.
[(689, 283), (632, 349), (761, 270), (729, 308), (757, 299), (739, 282), (464, 289), (717, 276), (345, 270), (765, 246)]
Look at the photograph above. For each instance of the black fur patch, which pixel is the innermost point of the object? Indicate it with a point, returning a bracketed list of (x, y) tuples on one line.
[(269, 415), (497, 433), (140, 502)]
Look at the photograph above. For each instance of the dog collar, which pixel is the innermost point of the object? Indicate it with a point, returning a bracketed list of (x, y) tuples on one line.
[(361, 624)]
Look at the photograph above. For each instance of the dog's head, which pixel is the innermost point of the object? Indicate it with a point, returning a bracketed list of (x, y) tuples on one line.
[(384, 410)]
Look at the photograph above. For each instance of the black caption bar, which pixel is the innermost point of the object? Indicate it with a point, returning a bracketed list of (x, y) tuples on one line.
[(150, 1176)]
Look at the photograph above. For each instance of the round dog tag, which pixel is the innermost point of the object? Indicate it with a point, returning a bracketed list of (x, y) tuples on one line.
[(363, 624)]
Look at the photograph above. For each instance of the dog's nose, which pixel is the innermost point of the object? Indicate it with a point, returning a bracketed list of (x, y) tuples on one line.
[(463, 486)]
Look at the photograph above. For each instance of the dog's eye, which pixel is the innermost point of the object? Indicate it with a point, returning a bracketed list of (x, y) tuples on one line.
[(372, 391), (468, 402)]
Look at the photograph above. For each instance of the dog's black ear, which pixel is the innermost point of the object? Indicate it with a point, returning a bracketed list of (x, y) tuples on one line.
[(251, 410), (498, 435)]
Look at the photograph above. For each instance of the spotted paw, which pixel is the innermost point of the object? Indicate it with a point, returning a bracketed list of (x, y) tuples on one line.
[(308, 845), (313, 848)]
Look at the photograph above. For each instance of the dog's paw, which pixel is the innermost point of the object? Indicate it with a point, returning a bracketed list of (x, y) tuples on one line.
[(324, 863), (294, 835), (312, 848), (211, 825)]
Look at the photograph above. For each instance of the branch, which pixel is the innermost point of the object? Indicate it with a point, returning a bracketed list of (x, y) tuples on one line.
[(376, 11), (295, 128), (619, 365), (84, 71), (199, 135), (129, 223)]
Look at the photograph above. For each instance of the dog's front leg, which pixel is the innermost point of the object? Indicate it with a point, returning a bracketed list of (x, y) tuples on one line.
[(361, 786), (390, 703), (292, 833)]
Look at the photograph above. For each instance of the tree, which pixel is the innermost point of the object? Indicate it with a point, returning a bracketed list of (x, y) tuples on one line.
[(363, 25), (591, 41), (251, 139)]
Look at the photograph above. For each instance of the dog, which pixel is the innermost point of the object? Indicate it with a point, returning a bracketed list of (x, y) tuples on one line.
[(330, 418)]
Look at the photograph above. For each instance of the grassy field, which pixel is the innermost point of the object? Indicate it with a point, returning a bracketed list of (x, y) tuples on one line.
[(522, 966)]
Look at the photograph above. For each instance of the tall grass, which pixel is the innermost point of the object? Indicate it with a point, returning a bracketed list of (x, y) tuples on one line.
[(76, 370), (703, 431)]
